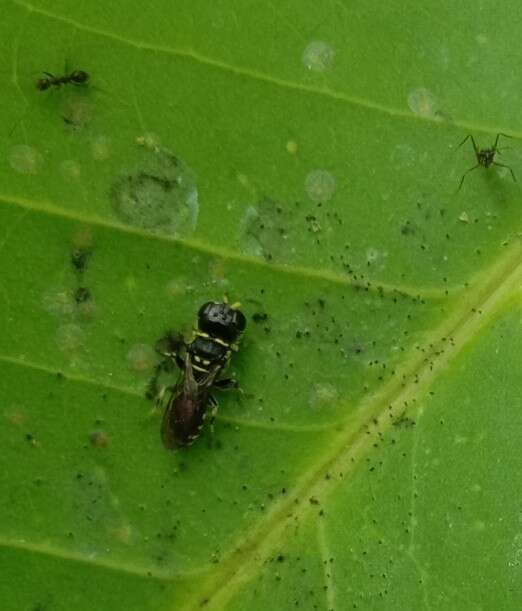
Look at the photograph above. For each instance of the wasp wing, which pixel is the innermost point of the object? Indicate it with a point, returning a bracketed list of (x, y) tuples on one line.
[(186, 410)]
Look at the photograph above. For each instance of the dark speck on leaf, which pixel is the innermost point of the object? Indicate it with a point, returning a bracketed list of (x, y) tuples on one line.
[(80, 258), (82, 295), (259, 317)]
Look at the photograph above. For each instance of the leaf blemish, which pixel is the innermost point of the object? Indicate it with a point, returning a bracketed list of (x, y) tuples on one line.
[(320, 186), (423, 103), (25, 159), (318, 56), (161, 195)]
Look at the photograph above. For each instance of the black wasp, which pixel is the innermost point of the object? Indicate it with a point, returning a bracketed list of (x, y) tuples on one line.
[(76, 77), (485, 157), (201, 361)]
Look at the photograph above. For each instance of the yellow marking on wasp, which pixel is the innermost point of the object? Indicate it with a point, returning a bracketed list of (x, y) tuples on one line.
[(221, 342)]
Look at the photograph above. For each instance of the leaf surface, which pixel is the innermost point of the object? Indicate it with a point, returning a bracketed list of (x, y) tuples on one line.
[(302, 158)]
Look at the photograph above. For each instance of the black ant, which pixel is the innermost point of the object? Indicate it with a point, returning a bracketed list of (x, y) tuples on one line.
[(485, 157), (77, 77)]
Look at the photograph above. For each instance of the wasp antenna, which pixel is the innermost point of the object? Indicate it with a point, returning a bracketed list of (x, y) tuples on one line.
[(225, 298)]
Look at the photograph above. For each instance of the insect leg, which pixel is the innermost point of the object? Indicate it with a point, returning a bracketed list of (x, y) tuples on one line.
[(226, 384), (170, 346), (503, 165), (498, 136), (465, 174), (153, 388), (470, 137), (213, 411)]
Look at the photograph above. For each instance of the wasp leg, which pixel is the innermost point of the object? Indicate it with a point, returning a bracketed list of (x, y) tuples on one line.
[(152, 385), (213, 411), (171, 346), (226, 384), (153, 388)]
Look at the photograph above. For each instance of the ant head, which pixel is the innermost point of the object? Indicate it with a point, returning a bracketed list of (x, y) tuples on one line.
[(79, 77)]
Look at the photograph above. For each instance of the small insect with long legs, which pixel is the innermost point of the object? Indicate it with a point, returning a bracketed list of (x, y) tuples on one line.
[(76, 77), (485, 157), (201, 362)]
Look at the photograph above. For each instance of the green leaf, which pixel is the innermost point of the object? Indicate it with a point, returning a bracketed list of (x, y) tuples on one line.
[(302, 158)]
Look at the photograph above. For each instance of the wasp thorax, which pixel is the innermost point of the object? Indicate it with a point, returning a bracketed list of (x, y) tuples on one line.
[(221, 320)]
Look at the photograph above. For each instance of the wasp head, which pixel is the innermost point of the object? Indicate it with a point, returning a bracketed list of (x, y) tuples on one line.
[(221, 320)]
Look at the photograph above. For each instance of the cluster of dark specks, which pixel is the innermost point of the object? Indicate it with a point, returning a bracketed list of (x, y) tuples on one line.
[(82, 296)]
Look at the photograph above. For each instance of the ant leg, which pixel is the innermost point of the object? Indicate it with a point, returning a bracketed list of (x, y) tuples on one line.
[(504, 148), (498, 136), (465, 174), (503, 165), (470, 137), (49, 75)]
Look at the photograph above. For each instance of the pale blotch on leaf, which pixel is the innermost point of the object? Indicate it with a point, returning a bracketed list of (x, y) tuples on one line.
[(101, 148), (265, 230), (322, 395), (77, 111), (25, 159), (142, 358), (59, 303), (423, 103), (176, 288), (123, 533), (161, 195), (243, 180), (70, 169), (320, 186), (403, 156), (15, 415), (318, 56), (70, 337), (217, 270), (149, 140), (291, 147)]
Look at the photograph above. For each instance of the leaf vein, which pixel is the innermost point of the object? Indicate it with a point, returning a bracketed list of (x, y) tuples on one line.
[(50, 209), (193, 55), (375, 416)]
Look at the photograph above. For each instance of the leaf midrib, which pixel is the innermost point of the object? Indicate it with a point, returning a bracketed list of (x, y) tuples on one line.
[(377, 414)]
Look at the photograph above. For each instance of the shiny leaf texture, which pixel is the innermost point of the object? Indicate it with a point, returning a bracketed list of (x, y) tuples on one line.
[(302, 158)]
